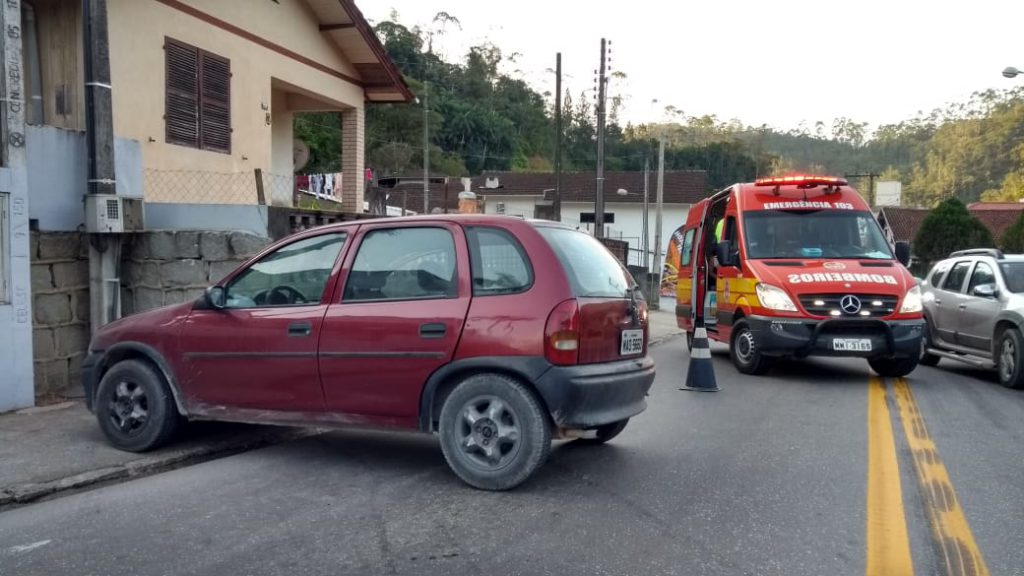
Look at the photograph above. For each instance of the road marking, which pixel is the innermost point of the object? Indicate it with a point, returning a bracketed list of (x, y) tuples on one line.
[(29, 547), (958, 550), (888, 546)]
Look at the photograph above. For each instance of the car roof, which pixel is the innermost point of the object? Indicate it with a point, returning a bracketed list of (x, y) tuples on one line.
[(462, 219)]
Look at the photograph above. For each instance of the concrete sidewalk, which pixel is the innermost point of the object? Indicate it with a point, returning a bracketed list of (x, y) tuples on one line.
[(56, 448)]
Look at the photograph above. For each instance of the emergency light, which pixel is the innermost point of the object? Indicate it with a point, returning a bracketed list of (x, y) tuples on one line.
[(801, 181)]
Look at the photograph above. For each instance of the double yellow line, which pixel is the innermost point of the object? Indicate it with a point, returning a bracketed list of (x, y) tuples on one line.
[(888, 546)]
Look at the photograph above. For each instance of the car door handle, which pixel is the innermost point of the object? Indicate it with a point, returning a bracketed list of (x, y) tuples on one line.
[(433, 330), (300, 329), (962, 306), (937, 301)]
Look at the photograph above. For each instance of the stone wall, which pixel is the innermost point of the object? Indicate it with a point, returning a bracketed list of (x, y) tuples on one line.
[(157, 268), (161, 268), (60, 307)]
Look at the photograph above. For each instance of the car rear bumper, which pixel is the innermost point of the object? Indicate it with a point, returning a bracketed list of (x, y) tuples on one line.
[(593, 395), (800, 338)]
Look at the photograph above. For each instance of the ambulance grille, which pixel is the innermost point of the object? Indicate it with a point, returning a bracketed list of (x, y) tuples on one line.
[(831, 305)]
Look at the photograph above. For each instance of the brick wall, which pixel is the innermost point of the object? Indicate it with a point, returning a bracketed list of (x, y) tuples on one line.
[(157, 268), (161, 268), (60, 305)]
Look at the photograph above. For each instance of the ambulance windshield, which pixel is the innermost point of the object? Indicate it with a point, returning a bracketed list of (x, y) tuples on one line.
[(814, 234)]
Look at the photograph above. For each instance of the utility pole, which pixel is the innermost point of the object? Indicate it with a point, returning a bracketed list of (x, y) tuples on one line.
[(657, 220), (558, 138), (426, 148), (645, 243), (871, 183), (599, 191)]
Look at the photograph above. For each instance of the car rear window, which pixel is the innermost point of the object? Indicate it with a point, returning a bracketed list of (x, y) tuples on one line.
[(591, 268)]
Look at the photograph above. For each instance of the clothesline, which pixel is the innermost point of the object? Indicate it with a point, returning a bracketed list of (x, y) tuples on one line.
[(322, 186)]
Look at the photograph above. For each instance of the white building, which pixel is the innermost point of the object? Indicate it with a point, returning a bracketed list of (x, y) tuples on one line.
[(530, 195)]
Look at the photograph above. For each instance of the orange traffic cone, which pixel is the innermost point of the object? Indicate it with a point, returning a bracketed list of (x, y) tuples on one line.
[(700, 375)]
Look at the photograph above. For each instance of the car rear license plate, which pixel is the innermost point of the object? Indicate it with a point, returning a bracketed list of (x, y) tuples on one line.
[(632, 342), (851, 344)]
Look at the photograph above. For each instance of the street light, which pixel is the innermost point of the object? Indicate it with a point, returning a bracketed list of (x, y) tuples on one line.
[(1011, 72)]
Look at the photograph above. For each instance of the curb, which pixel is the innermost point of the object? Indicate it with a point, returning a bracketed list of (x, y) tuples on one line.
[(663, 338), (33, 491)]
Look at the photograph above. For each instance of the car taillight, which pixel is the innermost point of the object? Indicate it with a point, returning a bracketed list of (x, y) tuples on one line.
[(562, 334)]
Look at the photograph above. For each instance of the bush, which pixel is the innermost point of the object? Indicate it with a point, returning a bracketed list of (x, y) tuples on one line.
[(1013, 239), (950, 227)]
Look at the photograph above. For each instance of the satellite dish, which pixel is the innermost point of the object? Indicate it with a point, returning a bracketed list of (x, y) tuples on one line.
[(300, 154)]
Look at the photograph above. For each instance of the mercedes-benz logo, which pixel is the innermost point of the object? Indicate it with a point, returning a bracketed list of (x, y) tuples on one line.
[(850, 304)]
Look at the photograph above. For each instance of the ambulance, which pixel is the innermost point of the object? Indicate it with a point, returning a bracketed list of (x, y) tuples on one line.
[(793, 267)]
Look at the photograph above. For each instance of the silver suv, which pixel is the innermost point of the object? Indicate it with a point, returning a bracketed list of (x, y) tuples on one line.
[(974, 307)]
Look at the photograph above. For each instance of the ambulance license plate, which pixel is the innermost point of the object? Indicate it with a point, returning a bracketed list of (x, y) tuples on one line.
[(632, 342), (851, 344)]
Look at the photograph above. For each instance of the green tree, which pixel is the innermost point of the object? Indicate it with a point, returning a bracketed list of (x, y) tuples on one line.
[(1013, 238), (948, 228)]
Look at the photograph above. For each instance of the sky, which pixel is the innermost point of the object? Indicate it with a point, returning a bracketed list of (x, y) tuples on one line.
[(778, 63)]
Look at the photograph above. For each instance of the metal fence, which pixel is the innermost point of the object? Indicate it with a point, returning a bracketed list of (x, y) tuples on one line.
[(199, 187)]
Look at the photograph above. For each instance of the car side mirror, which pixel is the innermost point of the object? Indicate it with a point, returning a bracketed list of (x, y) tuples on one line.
[(215, 297), (903, 252), (986, 290), (726, 256)]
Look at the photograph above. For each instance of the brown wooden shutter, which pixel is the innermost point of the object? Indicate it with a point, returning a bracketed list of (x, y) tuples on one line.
[(182, 108), (215, 102)]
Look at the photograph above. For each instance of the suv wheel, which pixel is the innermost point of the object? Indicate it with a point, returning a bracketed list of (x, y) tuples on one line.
[(1008, 359), (893, 367), (494, 432), (926, 343), (605, 433), (744, 351), (135, 408)]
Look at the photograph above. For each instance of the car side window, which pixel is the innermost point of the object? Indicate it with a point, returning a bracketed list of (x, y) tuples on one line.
[(955, 279), (404, 264), (686, 252), (292, 275), (499, 263), (936, 277), (982, 275)]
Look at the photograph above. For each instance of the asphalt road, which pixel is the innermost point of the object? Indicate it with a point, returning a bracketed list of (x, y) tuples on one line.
[(770, 475)]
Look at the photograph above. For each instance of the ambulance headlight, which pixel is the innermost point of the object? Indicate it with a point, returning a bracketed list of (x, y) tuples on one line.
[(912, 301), (774, 298)]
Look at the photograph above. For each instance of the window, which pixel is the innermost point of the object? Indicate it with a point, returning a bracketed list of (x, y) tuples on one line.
[(936, 276), (404, 264), (593, 271), (1013, 276), (686, 252), (955, 279), (982, 275), (198, 93), (5, 247), (500, 265), (293, 275), (835, 234)]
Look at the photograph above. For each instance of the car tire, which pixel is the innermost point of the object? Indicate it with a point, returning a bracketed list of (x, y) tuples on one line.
[(926, 342), (604, 433), (135, 408), (744, 352), (893, 367), (1009, 360), (494, 432), (689, 341)]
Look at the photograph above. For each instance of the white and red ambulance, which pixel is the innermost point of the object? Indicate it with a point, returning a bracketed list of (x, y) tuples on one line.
[(799, 267)]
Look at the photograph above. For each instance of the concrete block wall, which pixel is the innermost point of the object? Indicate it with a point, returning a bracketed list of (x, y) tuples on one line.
[(158, 268), (60, 306)]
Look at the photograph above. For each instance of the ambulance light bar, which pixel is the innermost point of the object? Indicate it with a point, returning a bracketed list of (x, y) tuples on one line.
[(802, 181)]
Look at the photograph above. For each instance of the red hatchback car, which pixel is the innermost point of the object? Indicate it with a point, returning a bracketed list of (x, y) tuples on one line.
[(497, 333)]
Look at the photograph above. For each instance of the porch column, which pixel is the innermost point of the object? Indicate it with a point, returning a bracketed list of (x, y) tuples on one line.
[(353, 148)]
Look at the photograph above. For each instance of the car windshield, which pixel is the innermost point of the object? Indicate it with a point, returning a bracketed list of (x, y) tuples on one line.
[(835, 234), (1013, 274), (592, 270)]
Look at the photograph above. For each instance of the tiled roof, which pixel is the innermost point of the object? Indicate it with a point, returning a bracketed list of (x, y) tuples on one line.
[(904, 222), (996, 216)]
